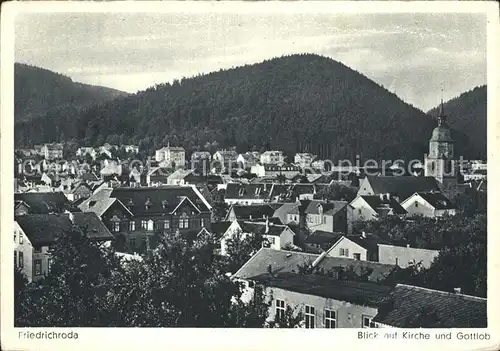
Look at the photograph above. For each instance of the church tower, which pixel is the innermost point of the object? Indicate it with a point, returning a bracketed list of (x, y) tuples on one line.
[(440, 163)]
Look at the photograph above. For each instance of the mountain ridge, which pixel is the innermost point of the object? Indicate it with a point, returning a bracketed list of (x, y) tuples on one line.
[(302, 102)]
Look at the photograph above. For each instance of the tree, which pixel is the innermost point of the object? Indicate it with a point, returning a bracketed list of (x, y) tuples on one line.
[(240, 247)]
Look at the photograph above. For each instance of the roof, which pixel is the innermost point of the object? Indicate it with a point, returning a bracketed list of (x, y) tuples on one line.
[(165, 199), (283, 168), (367, 241), (180, 174), (287, 261), (98, 202), (324, 239), (111, 169), (359, 293), (383, 205), (403, 186), (329, 208), (437, 200), (260, 227), (219, 228), (43, 229), (248, 191), (252, 211), (171, 148), (44, 202), (448, 310)]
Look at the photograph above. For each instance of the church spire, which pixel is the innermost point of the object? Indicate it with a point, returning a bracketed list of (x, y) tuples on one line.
[(441, 116)]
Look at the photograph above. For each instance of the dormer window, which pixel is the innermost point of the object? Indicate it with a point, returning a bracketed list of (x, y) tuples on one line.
[(148, 204), (241, 192), (257, 191), (130, 203)]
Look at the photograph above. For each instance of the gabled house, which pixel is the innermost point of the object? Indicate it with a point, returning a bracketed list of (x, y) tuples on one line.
[(52, 151), (248, 160), (34, 234), (289, 213), (429, 204), (225, 159), (277, 236), (371, 207), (169, 156), (398, 187), (139, 213), (320, 241), (329, 216), (240, 212), (363, 247), (409, 306)]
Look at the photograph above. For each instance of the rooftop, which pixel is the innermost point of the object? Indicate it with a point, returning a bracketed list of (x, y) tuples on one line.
[(402, 187), (411, 306)]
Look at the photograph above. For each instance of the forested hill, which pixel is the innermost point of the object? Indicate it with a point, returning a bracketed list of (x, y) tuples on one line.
[(297, 102), (467, 113), (38, 91)]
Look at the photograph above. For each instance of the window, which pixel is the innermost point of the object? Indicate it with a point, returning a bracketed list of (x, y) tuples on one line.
[(324, 219), (20, 237), (144, 224), (116, 226), (310, 316), (15, 258), (21, 259), (330, 319), (202, 222), (357, 256), (416, 203), (280, 309), (38, 267), (359, 210), (132, 243), (49, 264), (271, 240), (151, 225), (37, 249), (184, 221), (131, 226), (15, 235), (367, 322), (166, 224)]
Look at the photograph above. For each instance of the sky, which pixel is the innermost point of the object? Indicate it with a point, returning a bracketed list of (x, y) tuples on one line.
[(412, 55)]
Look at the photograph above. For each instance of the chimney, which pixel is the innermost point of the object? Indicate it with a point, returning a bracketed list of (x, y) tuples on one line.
[(363, 235), (70, 216), (267, 225), (407, 245), (457, 290), (269, 269), (381, 197)]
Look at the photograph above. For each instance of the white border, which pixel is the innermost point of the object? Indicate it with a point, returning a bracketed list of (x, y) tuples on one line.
[(244, 339)]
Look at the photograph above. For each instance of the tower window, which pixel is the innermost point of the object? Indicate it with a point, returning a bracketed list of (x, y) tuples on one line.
[(433, 166)]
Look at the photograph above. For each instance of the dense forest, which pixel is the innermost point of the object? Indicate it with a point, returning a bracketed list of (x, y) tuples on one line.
[(39, 92), (299, 102), (467, 113)]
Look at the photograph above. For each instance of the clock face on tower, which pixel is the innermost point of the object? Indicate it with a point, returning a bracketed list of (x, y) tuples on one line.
[(442, 150)]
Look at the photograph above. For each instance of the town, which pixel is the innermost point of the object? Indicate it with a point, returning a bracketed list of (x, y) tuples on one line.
[(163, 239)]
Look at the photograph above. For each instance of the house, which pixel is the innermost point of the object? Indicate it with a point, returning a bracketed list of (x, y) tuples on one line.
[(248, 160), (89, 177), (52, 151), (174, 157), (329, 216), (304, 160), (283, 193), (78, 191), (247, 194), (272, 158), (325, 301), (362, 247), (41, 203), (111, 169), (183, 177), (399, 187), (138, 213), (404, 255), (278, 236), (225, 159), (34, 234), (410, 306), (133, 149), (240, 212), (429, 204), (86, 150), (200, 160), (157, 176), (275, 170), (371, 207), (289, 213)]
